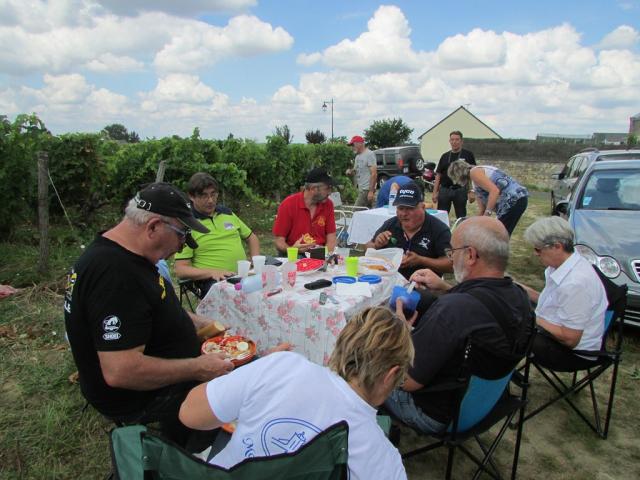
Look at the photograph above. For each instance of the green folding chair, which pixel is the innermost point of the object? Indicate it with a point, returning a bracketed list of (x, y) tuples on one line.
[(139, 454)]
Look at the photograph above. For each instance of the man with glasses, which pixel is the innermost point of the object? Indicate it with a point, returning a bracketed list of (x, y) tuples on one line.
[(221, 247), (135, 347), (305, 219), (485, 304)]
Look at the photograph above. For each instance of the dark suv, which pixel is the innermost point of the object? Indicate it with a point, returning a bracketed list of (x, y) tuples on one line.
[(394, 161)]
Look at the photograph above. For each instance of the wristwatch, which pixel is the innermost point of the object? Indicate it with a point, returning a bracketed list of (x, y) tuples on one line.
[(488, 213)]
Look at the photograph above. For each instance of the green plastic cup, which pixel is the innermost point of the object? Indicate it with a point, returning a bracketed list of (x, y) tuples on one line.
[(292, 254), (351, 264)]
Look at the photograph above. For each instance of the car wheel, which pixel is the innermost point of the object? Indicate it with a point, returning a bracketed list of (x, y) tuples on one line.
[(416, 165), (381, 180)]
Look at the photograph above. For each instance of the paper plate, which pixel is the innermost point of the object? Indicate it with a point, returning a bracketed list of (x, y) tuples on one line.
[(375, 266), (308, 265), (228, 345)]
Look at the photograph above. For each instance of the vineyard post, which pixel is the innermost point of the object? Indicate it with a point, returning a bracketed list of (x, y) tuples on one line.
[(161, 168), (43, 212)]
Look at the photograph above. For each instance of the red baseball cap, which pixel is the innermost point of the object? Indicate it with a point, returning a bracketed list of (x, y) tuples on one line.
[(356, 139)]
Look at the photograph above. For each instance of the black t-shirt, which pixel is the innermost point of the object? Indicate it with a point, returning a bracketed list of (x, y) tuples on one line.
[(439, 340), (447, 159), (430, 241), (117, 300)]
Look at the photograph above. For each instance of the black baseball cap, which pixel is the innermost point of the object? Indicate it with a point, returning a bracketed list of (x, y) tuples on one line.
[(319, 175), (165, 199), (409, 195)]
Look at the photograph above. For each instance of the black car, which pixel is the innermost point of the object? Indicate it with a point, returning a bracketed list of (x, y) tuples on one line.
[(394, 161)]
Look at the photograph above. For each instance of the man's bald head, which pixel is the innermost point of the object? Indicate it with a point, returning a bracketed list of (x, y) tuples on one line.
[(488, 237)]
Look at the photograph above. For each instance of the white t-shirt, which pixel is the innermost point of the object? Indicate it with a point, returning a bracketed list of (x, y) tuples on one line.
[(363, 163), (283, 400), (574, 297)]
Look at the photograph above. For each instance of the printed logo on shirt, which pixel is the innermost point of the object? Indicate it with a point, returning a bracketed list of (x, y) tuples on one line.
[(320, 221), (286, 435), (163, 295), (228, 226), (71, 281), (111, 325), (424, 243)]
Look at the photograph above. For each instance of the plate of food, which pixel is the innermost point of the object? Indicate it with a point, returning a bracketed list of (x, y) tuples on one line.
[(238, 349), (375, 265), (308, 265)]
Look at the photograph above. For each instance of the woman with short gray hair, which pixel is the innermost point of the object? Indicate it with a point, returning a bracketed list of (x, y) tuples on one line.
[(549, 231), (496, 192)]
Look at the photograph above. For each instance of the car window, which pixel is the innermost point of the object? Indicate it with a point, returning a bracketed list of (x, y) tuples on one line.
[(390, 158), (619, 156), (575, 167), (583, 166), (611, 190), (379, 160)]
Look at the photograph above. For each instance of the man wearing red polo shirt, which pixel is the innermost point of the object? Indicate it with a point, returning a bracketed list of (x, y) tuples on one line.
[(305, 219)]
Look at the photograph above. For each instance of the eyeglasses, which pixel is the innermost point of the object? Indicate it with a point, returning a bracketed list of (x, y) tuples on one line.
[(182, 234), (539, 249), (449, 251), (206, 196)]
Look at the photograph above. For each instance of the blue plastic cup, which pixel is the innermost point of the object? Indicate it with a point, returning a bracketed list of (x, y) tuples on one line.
[(409, 300)]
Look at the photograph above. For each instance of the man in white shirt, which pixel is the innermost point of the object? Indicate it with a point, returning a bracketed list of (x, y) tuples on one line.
[(572, 305), (366, 171), (282, 401)]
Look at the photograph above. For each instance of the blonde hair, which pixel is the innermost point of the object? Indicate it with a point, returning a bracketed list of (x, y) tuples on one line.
[(458, 172), (374, 341)]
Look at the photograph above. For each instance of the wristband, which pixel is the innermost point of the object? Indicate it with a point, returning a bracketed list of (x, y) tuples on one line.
[(488, 213)]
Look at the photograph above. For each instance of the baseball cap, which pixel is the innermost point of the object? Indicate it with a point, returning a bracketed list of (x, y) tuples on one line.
[(409, 195), (165, 199), (319, 175), (356, 139)]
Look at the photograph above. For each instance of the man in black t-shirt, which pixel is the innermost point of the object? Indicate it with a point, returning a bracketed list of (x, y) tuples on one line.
[(445, 192), (479, 250), (135, 347), (423, 237)]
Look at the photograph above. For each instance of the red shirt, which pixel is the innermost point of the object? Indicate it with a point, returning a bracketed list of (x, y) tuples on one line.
[(294, 220)]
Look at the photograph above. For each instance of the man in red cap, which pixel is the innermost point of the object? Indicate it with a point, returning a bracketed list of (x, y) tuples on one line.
[(365, 170)]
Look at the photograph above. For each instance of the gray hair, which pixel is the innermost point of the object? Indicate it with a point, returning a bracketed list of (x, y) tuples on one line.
[(139, 216), (458, 172), (491, 244), (549, 231)]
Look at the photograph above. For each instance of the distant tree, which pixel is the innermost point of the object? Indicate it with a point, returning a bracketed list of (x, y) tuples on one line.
[(632, 140), (387, 133), (118, 132), (284, 132), (133, 137), (315, 136)]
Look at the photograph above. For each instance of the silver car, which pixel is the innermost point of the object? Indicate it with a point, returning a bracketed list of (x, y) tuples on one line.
[(604, 212)]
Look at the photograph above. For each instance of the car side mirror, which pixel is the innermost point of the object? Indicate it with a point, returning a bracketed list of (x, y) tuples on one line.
[(557, 176)]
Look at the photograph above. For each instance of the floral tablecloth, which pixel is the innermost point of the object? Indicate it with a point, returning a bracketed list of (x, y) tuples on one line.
[(293, 316)]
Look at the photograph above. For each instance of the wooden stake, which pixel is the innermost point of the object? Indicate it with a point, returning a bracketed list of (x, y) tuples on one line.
[(43, 212)]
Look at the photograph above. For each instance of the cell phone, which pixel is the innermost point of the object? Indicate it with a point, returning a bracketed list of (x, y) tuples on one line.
[(322, 283), (234, 280), (272, 261)]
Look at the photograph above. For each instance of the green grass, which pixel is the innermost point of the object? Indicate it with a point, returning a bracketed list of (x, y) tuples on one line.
[(44, 433)]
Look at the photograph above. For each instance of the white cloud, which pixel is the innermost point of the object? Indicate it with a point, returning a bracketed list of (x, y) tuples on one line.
[(621, 38), (384, 47), (477, 49), (183, 7), (182, 88), (109, 63), (198, 45)]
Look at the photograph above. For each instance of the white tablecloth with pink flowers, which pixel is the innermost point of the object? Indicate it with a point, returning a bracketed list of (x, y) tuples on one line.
[(295, 316)]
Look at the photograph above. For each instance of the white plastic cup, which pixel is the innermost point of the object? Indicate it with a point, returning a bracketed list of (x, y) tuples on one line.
[(243, 268), (258, 263), (270, 277)]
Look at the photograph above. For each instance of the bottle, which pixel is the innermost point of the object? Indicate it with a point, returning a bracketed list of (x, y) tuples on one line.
[(393, 192), (289, 272), (249, 284)]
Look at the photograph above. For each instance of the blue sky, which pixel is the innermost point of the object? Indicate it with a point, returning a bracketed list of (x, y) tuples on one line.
[(244, 66)]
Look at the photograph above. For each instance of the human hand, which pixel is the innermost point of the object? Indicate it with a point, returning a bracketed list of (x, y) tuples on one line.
[(429, 279), (471, 196), (219, 275), (434, 197), (410, 259), (370, 195), (400, 313), (302, 246), (349, 172), (382, 239), (281, 347), (212, 365)]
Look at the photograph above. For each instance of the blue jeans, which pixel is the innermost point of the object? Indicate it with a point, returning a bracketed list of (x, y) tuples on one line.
[(402, 407)]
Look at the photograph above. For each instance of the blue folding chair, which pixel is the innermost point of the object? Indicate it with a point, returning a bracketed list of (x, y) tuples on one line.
[(604, 359), (481, 404)]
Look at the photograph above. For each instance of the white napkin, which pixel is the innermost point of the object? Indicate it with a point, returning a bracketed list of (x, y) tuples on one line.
[(353, 289)]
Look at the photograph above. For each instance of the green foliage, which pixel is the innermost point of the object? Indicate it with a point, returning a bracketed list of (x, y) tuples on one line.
[(119, 132), (284, 132), (387, 133), (315, 136), (632, 140)]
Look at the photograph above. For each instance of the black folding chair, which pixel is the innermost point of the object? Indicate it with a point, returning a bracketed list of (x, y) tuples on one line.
[(191, 292), (481, 403), (604, 359)]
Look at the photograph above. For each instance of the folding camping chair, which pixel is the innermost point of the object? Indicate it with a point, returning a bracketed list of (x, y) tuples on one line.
[(139, 454), (604, 359), (191, 292), (481, 404)]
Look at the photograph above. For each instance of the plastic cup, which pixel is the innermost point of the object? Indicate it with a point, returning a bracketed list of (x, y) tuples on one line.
[(351, 264), (258, 263), (269, 277), (409, 300), (292, 254), (243, 268)]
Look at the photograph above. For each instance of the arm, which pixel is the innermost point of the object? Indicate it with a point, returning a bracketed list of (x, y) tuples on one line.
[(199, 321), (254, 244), (133, 370), (196, 412), (482, 181), (410, 385), (440, 264), (565, 335), (372, 181), (430, 280), (436, 189), (184, 270), (380, 240), (534, 295), (331, 242)]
